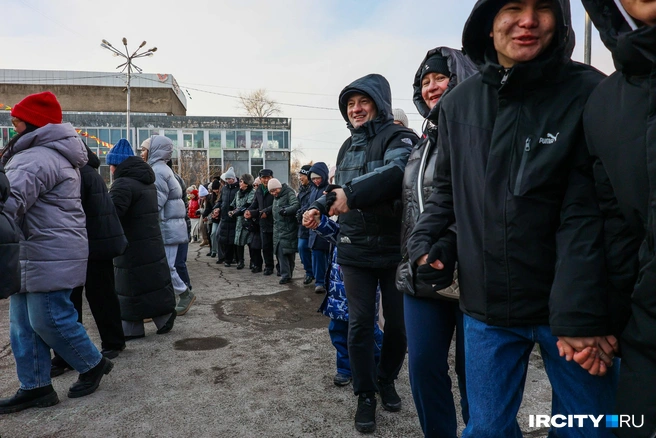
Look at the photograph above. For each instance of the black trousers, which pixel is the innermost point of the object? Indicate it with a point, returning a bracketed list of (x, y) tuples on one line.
[(228, 250), (239, 253), (267, 248), (103, 302), (256, 256), (361, 285)]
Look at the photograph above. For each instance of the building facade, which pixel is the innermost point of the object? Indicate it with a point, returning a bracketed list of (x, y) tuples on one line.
[(204, 146)]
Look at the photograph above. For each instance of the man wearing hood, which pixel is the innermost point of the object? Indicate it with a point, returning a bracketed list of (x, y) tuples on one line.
[(625, 172), (513, 172), (156, 151), (369, 176)]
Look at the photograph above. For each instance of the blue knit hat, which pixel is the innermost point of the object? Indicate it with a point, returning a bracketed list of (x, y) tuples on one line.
[(120, 152)]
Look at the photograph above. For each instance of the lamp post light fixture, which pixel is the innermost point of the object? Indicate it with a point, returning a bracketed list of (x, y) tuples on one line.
[(128, 66)]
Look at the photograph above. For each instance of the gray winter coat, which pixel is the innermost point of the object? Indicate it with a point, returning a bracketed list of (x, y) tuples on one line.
[(44, 175), (172, 211)]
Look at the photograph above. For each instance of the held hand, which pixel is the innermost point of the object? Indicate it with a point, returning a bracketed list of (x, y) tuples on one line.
[(263, 215), (594, 354), (435, 265), (247, 214), (311, 219), (339, 204)]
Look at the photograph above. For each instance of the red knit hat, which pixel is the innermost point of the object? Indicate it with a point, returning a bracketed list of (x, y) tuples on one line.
[(38, 109)]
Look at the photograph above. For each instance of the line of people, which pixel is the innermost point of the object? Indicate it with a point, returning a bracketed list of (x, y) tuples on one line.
[(65, 232)]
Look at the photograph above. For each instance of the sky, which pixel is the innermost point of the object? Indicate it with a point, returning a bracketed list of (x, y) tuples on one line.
[(303, 52)]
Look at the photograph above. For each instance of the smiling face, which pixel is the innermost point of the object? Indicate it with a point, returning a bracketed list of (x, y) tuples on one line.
[(522, 30), (317, 180), (641, 10), (275, 192), (265, 180), (242, 185), (433, 86), (360, 109)]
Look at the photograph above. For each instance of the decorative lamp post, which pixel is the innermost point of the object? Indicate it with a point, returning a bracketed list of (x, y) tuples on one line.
[(128, 66)]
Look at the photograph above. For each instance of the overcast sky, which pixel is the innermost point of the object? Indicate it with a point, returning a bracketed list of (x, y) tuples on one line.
[(302, 51)]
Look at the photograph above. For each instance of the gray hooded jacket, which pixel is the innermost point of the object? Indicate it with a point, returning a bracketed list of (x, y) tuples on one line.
[(45, 203), (172, 211)]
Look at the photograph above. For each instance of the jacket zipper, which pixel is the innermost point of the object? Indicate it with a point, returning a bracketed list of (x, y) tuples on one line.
[(520, 174), (420, 177)]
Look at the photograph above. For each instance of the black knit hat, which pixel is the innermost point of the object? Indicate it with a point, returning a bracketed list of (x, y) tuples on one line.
[(305, 170), (216, 184), (435, 64)]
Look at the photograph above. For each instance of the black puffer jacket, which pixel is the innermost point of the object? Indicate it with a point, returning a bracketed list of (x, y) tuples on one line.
[(621, 131), (143, 279), (104, 230), (513, 170), (263, 204), (370, 167), (10, 275), (285, 226), (228, 223), (420, 170)]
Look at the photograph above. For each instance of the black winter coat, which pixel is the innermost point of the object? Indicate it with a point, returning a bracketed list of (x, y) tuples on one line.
[(143, 279), (263, 204), (104, 230), (514, 172), (420, 170), (228, 223), (621, 131), (304, 201), (10, 275), (370, 166), (317, 242)]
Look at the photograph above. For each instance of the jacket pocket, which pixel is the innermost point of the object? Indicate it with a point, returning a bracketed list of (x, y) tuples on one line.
[(522, 166)]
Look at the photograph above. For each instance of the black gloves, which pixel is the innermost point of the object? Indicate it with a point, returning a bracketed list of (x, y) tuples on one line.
[(282, 211), (330, 195), (444, 250)]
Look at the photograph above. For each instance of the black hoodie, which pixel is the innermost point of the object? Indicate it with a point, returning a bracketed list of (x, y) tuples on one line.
[(370, 166), (620, 129), (513, 171)]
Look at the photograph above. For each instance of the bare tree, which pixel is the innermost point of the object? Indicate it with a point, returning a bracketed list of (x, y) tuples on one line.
[(258, 104)]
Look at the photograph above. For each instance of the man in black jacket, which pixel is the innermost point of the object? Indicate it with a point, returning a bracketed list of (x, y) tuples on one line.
[(514, 174), (620, 130), (370, 167), (261, 209), (304, 251)]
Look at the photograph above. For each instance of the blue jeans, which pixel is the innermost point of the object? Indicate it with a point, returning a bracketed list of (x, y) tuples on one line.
[(429, 325), (320, 261), (338, 331), (45, 320), (496, 365), (181, 263), (305, 253)]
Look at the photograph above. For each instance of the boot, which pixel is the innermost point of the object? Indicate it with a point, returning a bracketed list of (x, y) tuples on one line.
[(365, 415), (88, 382), (187, 298), (389, 396), (29, 398), (169, 324)]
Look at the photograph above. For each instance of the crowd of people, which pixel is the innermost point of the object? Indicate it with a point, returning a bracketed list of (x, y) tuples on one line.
[(524, 214)]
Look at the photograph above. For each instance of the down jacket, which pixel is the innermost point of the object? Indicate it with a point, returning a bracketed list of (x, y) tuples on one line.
[(262, 204), (172, 213), (143, 279), (370, 166), (420, 170), (228, 223), (10, 278), (285, 226), (104, 230), (304, 200), (514, 173), (621, 131), (45, 203)]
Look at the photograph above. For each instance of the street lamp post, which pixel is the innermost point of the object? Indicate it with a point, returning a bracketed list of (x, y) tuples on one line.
[(127, 67)]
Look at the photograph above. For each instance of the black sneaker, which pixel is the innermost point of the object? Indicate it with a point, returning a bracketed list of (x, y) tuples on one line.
[(59, 366), (88, 382), (29, 398), (256, 270), (365, 415), (341, 379), (268, 271), (285, 280), (308, 279), (389, 396), (112, 353)]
